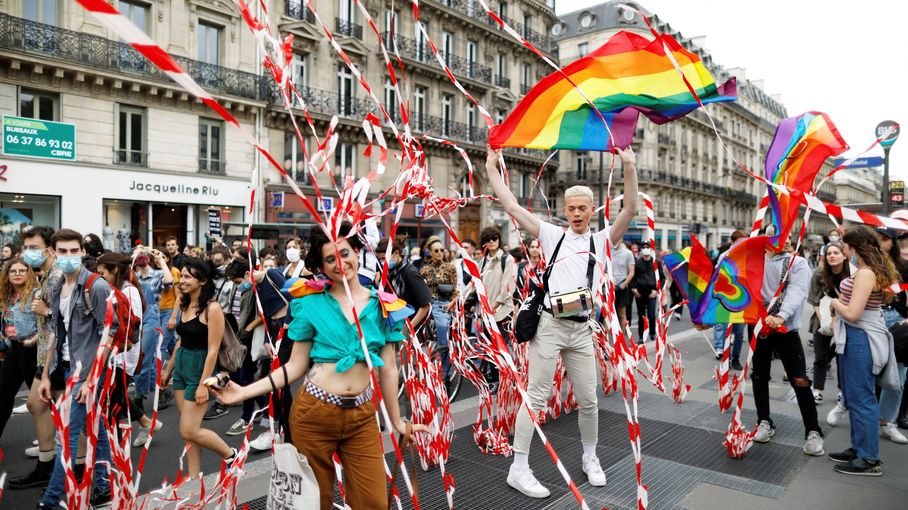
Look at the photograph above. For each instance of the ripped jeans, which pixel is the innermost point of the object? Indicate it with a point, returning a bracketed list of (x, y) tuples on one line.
[(791, 352)]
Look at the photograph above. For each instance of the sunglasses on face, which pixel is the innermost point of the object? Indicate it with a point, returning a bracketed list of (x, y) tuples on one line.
[(437, 251)]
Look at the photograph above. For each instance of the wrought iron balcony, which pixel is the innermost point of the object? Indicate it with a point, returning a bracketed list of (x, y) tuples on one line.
[(130, 157), (48, 41), (212, 166), (503, 82), (419, 51), (347, 28), (297, 9)]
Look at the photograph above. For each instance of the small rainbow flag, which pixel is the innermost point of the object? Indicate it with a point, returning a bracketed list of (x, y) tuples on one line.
[(734, 292), (691, 269), (799, 148), (628, 75)]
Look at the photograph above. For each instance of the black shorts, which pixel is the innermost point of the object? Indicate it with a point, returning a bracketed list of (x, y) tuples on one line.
[(622, 296)]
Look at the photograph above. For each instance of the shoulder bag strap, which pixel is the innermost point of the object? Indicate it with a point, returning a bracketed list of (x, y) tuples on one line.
[(274, 286), (550, 263), (591, 266)]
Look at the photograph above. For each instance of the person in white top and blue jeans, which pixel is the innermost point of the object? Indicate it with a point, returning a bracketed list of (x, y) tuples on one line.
[(570, 336)]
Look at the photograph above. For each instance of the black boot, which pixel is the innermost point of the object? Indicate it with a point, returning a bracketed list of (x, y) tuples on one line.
[(38, 477)]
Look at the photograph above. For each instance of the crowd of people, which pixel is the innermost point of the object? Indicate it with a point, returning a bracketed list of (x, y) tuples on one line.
[(54, 290)]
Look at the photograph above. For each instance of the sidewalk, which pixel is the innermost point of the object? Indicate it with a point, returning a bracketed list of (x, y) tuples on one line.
[(685, 463)]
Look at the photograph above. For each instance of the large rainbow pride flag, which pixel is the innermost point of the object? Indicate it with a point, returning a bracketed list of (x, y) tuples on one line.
[(799, 147), (628, 75)]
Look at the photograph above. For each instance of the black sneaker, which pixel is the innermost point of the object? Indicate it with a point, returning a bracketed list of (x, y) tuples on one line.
[(100, 499), (216, 411), (902, 423), (846, 456), (38, 477), (860, 467), (736, 365)]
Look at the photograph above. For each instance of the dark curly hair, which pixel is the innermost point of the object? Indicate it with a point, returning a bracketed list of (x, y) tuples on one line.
[(317, 239), (204, 271)]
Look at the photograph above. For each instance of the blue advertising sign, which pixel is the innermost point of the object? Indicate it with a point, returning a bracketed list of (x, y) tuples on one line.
[(277, 199)]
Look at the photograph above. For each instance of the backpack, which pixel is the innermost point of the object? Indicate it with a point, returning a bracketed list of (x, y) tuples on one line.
[(232, 351), (130, 325)]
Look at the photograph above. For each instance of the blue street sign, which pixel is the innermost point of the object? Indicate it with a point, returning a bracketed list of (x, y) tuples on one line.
[(277, 199), (870, 162)]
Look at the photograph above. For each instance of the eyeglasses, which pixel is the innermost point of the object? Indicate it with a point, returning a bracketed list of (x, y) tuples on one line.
[(437, 251), (18, 271)]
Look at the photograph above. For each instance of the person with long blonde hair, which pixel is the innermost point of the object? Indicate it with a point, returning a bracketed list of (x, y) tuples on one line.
[(866, 348), (20, 329)]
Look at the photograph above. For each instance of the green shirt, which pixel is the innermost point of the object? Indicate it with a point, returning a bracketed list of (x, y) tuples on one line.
[(318, 318)]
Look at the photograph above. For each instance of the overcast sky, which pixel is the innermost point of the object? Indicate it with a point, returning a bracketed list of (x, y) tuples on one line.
[(845, 58)]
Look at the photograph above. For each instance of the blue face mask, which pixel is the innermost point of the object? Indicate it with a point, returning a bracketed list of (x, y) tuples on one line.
[(245, 286), (69, 264), (392, 265), (34, 257), (854, 260)]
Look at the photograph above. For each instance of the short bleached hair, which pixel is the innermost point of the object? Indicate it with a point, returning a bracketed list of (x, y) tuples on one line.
[(578, 191)]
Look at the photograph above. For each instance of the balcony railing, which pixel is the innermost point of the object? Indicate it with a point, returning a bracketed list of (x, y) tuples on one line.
[(297, 9), (420, 52), (347, 28), (503, 82), (97, 52), (212, 166), (130, 157)]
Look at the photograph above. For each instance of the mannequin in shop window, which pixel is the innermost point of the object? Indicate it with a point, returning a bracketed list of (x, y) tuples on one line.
[(124, 236), (107, 235)]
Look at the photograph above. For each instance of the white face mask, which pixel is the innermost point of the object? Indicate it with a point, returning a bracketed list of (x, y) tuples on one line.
[(646, 252), (834, 239), (293, 254)]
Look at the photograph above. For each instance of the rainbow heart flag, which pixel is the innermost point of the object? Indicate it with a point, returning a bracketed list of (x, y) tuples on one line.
[(799, 147), (628, 75), (733, 295)]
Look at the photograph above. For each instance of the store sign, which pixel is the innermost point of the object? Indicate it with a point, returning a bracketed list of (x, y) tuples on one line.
[(39, 138), (174, 189)]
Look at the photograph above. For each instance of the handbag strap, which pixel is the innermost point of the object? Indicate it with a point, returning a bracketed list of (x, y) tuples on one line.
[(550, 263), (403, 443)]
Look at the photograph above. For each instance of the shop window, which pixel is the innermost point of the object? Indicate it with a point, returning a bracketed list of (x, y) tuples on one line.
[(35, 104), (18, 212), (211, 152), (130, 149)]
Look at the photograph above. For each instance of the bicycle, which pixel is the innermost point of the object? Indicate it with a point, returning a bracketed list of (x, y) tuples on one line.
[(427, 335)]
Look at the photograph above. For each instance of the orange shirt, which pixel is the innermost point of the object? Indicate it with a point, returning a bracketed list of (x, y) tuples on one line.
[(168, 295)]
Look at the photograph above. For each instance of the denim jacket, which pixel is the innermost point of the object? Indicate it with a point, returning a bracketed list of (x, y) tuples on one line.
[(21, 322), (85, 326)]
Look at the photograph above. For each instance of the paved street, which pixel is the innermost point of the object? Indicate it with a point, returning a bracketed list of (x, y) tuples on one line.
[(684, 462)]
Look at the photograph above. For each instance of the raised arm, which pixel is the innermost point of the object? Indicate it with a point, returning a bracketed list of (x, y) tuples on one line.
[(629, 208), (527, 220)]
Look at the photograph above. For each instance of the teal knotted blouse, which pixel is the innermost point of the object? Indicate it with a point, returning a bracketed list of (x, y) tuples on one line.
[(318, 318)]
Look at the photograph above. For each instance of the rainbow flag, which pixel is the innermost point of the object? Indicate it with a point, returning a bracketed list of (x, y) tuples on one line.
[(629, 74), (733, 295), (691, 270), (799, 148)]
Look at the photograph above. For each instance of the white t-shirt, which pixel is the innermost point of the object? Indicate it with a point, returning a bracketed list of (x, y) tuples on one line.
[(65, 312), (570, 268)]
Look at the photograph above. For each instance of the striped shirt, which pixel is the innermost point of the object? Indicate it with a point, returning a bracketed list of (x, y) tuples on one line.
[(847, 285)]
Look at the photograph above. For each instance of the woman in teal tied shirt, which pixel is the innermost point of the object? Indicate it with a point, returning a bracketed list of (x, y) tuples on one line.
[(333, 410)]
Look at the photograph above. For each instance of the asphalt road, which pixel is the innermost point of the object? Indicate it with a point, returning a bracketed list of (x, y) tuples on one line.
[(163, 456)]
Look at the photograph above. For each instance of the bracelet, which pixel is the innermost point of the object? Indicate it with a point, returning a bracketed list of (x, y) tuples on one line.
[(273, 386), (286, 377)]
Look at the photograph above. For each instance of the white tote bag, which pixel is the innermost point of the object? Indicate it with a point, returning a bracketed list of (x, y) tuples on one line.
[(825, 316), (257, 350), (293, 484)]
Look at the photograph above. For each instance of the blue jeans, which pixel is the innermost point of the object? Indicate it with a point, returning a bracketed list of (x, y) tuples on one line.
[(719, 338), (891, 399), (146, 375), (442, 327), (56, 488), (859, 386), (170, 335)]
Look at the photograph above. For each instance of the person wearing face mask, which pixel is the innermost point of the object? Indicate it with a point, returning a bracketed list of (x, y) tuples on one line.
[(79, 332), (368, 262), (152, 281), (832, 236), (36, 253), (294, 253), (220, 255), (643, 286), (404, 278)]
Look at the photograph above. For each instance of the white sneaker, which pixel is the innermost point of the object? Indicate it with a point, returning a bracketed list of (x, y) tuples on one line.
[(23, 409), (593, 470), (263, 442), (522, 479), (814, 444), (145, 434), (764, 432), (32, 452), (891, 432), (677, 316), (836, 414)]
